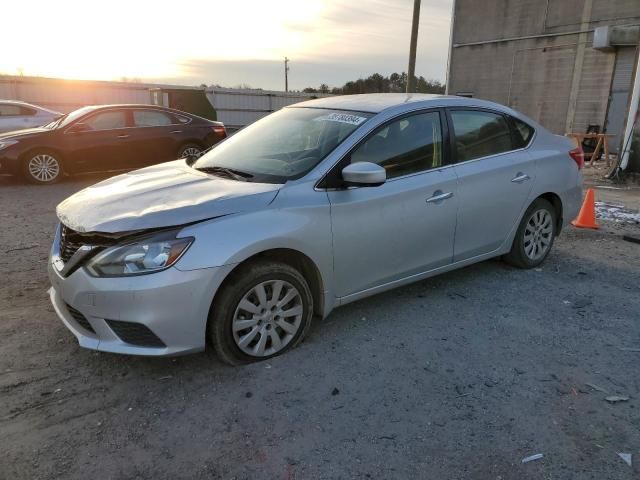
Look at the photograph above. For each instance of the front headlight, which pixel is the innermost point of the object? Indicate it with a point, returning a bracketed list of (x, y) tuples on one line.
[(7, 143), (144, 256)]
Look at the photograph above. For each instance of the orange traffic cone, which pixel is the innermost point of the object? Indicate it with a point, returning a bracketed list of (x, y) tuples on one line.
[(587, 216)]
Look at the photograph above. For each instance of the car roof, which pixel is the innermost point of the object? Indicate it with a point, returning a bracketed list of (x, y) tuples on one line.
[(378, 102)]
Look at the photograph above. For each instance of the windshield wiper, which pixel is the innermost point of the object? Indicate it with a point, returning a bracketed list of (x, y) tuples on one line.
[(226, 172)]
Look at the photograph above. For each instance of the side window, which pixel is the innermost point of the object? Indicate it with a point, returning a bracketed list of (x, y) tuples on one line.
[(480, 134), (409, 145), (107, 120), (182, 119), (27, 111), (151, 118), (8, 110), (523, 133)]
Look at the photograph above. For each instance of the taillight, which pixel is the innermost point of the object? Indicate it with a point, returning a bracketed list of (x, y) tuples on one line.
[(219, 130), (578, 156)]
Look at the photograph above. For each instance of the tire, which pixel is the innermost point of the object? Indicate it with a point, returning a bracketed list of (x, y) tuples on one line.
[(42, 167), (190, 151), (535, 235), (238, 343)]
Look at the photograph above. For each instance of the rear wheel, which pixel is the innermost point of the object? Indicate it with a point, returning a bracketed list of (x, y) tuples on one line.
[(263, 310), (190, 151), (42, 167), (534, 238)]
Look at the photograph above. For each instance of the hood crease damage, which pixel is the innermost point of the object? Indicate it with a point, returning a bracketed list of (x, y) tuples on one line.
[(166, 195)]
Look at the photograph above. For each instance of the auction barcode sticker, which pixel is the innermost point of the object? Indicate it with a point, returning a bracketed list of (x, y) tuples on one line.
[(342, 118)]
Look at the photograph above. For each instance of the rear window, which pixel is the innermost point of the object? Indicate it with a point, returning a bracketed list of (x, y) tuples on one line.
[(480, 134), (523, 133), (151, 118)]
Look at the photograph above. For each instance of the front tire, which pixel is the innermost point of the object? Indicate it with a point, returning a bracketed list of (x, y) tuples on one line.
[(42, 167), (262, 310), (535, 235)]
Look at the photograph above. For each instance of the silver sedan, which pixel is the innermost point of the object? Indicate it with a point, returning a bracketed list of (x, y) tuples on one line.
[(315, 206), (16, 115)]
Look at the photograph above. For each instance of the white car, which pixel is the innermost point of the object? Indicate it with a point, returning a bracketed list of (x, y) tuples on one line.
[(15, 115)]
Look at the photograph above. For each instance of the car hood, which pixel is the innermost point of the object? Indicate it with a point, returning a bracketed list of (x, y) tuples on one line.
[(27, 132), (164, 195)]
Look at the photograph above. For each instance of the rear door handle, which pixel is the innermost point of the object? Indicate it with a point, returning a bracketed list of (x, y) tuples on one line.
[(123, 136), (438, 196), (175, 131), (520, 177)]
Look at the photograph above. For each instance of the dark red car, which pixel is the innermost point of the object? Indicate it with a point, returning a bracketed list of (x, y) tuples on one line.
[(106, 137)]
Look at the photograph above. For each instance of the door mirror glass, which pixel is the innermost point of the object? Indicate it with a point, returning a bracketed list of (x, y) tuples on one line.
[(364, 174)]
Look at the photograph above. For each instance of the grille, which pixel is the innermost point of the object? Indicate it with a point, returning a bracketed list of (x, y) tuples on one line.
[(80, 318), (71, 241), (135, 334)]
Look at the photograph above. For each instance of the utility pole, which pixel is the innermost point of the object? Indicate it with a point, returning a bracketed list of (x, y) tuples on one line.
[(411, 84), (286, 76)]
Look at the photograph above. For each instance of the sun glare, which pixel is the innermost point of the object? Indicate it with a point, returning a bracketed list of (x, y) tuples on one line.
[(144, 39)]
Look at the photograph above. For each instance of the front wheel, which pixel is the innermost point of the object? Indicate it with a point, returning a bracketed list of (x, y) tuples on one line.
[(534, 238), (42, 167), (263, 309)]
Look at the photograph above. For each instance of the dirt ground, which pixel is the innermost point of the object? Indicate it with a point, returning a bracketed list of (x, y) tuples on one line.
[(459, 376)]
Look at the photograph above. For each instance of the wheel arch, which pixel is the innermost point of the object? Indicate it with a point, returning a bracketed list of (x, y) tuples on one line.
[(555, 200), (294, 258)]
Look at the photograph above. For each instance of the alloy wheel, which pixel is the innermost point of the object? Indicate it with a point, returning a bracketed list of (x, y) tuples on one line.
[(538, 234), (191, 153), (44, 167), (267, 318)]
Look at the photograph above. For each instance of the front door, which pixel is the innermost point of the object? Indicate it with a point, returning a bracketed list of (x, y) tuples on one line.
[(99, 142), (494, 181), (405, 226)]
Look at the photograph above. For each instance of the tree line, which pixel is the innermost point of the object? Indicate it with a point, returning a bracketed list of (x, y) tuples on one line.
[(376, 83)]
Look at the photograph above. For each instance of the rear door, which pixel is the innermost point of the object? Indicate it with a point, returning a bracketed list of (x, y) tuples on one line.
[(405, 226), (99, 142), (155, 137), (495, 177)]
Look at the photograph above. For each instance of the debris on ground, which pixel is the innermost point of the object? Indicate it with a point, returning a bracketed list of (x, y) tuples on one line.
[(617, 398), (25, 247), (596, 387), (626, 457), (335, 392), (629, 238), (531, 458), (617, 213)]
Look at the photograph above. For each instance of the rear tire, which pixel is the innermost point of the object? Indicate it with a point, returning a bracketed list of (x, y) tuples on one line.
[(535, 235), (190, 151), (263, 309), (42, 167)]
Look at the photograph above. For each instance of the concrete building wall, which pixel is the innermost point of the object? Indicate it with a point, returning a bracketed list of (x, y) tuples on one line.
[(536, 56)]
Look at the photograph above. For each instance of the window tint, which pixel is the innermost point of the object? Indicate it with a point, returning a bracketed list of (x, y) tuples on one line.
[(107, 120), (151, 118), (480, 134), (523, 133), (10, 110), (411, 144)]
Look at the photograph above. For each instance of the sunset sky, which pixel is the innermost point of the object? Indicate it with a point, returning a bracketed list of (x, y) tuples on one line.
[(228, 43)]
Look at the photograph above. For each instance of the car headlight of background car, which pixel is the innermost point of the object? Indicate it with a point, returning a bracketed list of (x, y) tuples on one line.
[(147, 255), (7, 143)]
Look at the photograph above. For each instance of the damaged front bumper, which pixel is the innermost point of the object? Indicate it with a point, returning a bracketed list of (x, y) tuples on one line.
[(158, 314)]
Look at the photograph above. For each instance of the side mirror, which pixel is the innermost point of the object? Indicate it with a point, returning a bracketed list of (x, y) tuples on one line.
[(364, 174), (78, 127)]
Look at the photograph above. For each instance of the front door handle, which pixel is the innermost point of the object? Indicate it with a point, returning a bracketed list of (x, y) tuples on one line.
[(438, 196), (520, 177), (123, 136)]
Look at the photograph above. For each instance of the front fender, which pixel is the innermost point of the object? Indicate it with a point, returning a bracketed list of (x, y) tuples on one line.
[(230, 240)]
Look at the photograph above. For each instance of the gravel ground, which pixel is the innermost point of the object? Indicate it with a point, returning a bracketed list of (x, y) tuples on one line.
[(459, 376)]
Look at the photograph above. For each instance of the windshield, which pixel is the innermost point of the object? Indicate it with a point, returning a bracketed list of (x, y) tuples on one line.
[(282, 146), (65, 120)]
